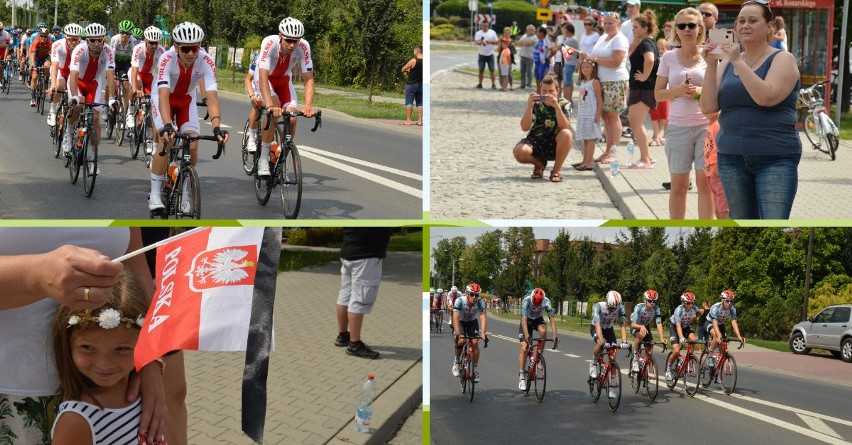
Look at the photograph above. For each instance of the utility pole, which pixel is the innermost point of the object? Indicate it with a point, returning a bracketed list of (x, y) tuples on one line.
[(808, 274)]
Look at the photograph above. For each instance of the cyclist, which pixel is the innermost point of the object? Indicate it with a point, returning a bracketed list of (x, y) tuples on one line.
[(180, 69), (253, 91), (436, 300), (639, 321), (39, 55), (123, 44), (716, 317), (278, 54), (143, 69), (450, 302), (532, 319), (604, 315), (60, 67), (5, 42), (92, 68), (23, 44), (681, 330), (56, 33), (469, 320)]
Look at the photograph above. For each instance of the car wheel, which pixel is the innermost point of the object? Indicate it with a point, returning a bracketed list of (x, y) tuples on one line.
[(797, 344), (846, 350)]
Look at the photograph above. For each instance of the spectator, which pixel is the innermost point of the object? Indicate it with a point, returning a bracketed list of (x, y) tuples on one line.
[(414, 86), (589, 112), (360, 274), (610, 53), (758, 146), (590, 37), (542, 51), (680, 75), (660, 114), (485, 39), (507, 37), (549, 137), (632, 9), (779, 39), (505, 64), (710, 15), (514, 31), (644, 61), (569, 63), (526, 43)]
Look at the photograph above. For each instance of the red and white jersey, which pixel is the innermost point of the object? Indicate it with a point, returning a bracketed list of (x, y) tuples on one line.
[(271, 58), (5, 38), (90, 68), (182, 81), (144, 62), (60, 54)]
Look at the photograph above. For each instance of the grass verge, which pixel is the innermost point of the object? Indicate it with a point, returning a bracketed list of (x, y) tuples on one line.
[(411, 242), (353, 106), (782, 346), (298, 259), (845, 125)]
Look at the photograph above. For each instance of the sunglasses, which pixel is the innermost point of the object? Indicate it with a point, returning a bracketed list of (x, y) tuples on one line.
[(688, 303), (726, 300), (189, 48), (72, 41), (291, 41), (651, 301), (126, 33), (152, 43), (682, 26), (707, 14), (588, 23), (609, 14), (473, 294), (95, 40)]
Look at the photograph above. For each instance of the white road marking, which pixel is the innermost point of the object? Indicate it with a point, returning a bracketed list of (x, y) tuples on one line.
[(311, 153), (818, 425), (221, 125), (362, 162), (572, 356)]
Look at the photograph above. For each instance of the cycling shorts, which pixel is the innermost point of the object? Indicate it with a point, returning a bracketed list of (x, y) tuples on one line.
[(91, 90), (648, 339), (122, 70), (532, 326), (673, 333), (469, 328), (608, 334), (184, 114), (147, 79), (41, 61), (285, 90)]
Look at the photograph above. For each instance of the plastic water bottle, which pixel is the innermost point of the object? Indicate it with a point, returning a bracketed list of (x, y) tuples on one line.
[(613, 166), (630, 150), (364, 412)]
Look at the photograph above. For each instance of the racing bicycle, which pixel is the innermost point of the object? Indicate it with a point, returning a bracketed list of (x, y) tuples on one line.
[(84, 149), (721, 367), (181, 193), (686, 368), (609, 378), (467, 374), (647, 374), (536, 370)]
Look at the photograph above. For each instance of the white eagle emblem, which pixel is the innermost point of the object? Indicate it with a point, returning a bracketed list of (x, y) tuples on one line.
[(226, 267)]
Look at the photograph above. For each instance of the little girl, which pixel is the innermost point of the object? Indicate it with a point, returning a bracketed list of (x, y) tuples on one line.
[(589, 112), (505, 55), (94, 358)]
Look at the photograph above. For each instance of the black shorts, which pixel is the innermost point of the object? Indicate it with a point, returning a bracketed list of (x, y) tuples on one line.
[(557, 70), (673, 333), (710, 330), (469, 328), (532, 326), (649, 338), (644, 96), (483, 60), (608, 334), (543, 149), (121, 69)]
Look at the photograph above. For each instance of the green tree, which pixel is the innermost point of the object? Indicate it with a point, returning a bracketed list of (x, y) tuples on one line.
[(376, 18), (446, 251), (520, 246), (482, 262), (558, 267)]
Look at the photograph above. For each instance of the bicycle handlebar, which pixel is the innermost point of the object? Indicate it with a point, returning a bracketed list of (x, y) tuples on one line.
[(220, 146), (544, 340), (317, 117), (203, 103)]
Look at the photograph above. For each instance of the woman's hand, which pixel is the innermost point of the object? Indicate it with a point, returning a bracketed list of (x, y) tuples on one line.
[(640, 77), (68, 271)]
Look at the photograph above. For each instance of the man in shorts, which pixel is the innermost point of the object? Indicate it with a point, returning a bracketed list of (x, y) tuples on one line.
[(485, 39)]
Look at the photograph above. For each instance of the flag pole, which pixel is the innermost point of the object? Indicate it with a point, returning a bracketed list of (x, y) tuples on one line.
[(157, 244)]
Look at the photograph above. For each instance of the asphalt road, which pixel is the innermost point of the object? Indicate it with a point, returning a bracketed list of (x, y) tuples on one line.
[(353, 169), (445, 60), (766, 407)]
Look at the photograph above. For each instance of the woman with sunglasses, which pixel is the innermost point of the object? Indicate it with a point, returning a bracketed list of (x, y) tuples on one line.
[(681, 329), (679, 79), (590, 36), (279, 53), (143, 68), (610, 53), (181, 68), (758, 146)]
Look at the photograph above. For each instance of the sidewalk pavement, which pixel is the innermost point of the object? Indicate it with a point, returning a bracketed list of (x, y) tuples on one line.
[(475, 176), (313, 385), (823, 367)]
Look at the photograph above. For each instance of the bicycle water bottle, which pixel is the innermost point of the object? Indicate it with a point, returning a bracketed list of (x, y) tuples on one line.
[(630, 150), (274, 151), (613, 166), (81, 133), (172, 174), (679, 361), (364, 412)]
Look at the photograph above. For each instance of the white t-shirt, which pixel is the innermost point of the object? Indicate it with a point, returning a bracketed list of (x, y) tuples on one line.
[(26, 355), (488, 48), (605, 48), (627, 30), (587, 42)]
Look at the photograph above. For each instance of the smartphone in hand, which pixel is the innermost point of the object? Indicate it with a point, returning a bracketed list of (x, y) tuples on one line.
[(720, 36)]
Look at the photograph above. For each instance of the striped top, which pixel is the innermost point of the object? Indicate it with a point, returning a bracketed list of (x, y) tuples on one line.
[(109, 426)]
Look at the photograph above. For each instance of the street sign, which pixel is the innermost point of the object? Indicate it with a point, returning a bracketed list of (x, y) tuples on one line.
[(473, 5), (487, 18), (543, 14), (544, 3)]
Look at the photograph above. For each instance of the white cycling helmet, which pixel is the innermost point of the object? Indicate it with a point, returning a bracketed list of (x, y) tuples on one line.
[(1, 26), (187, 32), (613, 299), (454, 289), (291, 28), (95, 30), (153, 34), (73, 30), (440, 291)]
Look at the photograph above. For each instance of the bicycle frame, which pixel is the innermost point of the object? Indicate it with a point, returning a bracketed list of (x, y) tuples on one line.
[(535, 356), (725, 366)]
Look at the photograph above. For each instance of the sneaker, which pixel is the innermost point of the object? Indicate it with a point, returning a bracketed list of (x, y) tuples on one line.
[(93, 171), (593, 370), (669, 376), (342, 339), (149, 147), (51, 118), (493, 87), (66, 143), (479, 87), (522, 382), (668, 185), (361, 350), (456, 369), (129, 120), (475, 376), (251, 144), (263, 168), (635, 367), (155, 203), (32, 102), (612, 393)]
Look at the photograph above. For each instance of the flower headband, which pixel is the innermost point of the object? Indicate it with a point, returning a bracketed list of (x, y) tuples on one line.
[(107, 319)]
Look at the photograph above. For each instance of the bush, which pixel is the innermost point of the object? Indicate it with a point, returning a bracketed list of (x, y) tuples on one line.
[(314, 236), (439, 21), (514, 10), (251, 44), (459, 22), (453, 7)]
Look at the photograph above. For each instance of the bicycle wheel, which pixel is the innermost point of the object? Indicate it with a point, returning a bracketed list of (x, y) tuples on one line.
[(58, 131), (121, 127), (528, 375), (262, 189), (594, 388), (728, 376), (463, 370), (691, 376), (74, 160), (614, 386), (249, 158), (705, 371), (673, 382), (189, 194), (39, 97), (133, 143), (811, 127), (89, 179), (635, 379), (832, 146), (290, 176), (471, 377), (110, 123), (540, 378), (649, 376)]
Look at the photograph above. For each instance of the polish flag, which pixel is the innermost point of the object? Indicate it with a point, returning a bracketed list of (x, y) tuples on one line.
[(567, 51), (205, 282)]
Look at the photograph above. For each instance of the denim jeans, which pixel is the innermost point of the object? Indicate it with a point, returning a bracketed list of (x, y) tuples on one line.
[(759, 187), (526, 71)]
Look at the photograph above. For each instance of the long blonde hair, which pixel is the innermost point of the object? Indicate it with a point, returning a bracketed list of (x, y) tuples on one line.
[(701, 31)]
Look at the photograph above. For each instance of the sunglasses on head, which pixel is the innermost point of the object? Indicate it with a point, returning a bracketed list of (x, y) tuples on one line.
[(95, 40), (186, 49), (291, 40), (682, 26)]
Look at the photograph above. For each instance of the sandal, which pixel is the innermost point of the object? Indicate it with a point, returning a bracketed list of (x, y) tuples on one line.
[(583, 168), (654, 143), (538, 172), (555, 176), (605, 160)]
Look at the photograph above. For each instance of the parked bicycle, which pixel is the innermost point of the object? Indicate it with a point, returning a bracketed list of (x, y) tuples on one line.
[(819, 128), (721, 367), (686, 369), (609, 377), (467, 375), (536, 370), (182, 191), (84, 149), (285, 164), (646, 376)]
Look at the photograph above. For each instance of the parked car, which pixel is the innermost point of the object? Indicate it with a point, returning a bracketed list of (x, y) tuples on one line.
[(830, 329)]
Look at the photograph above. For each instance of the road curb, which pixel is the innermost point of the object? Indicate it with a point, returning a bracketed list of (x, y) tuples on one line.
[(390, 409)]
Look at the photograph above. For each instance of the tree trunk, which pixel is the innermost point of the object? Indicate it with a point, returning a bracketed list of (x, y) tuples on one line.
[(372, 76)]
